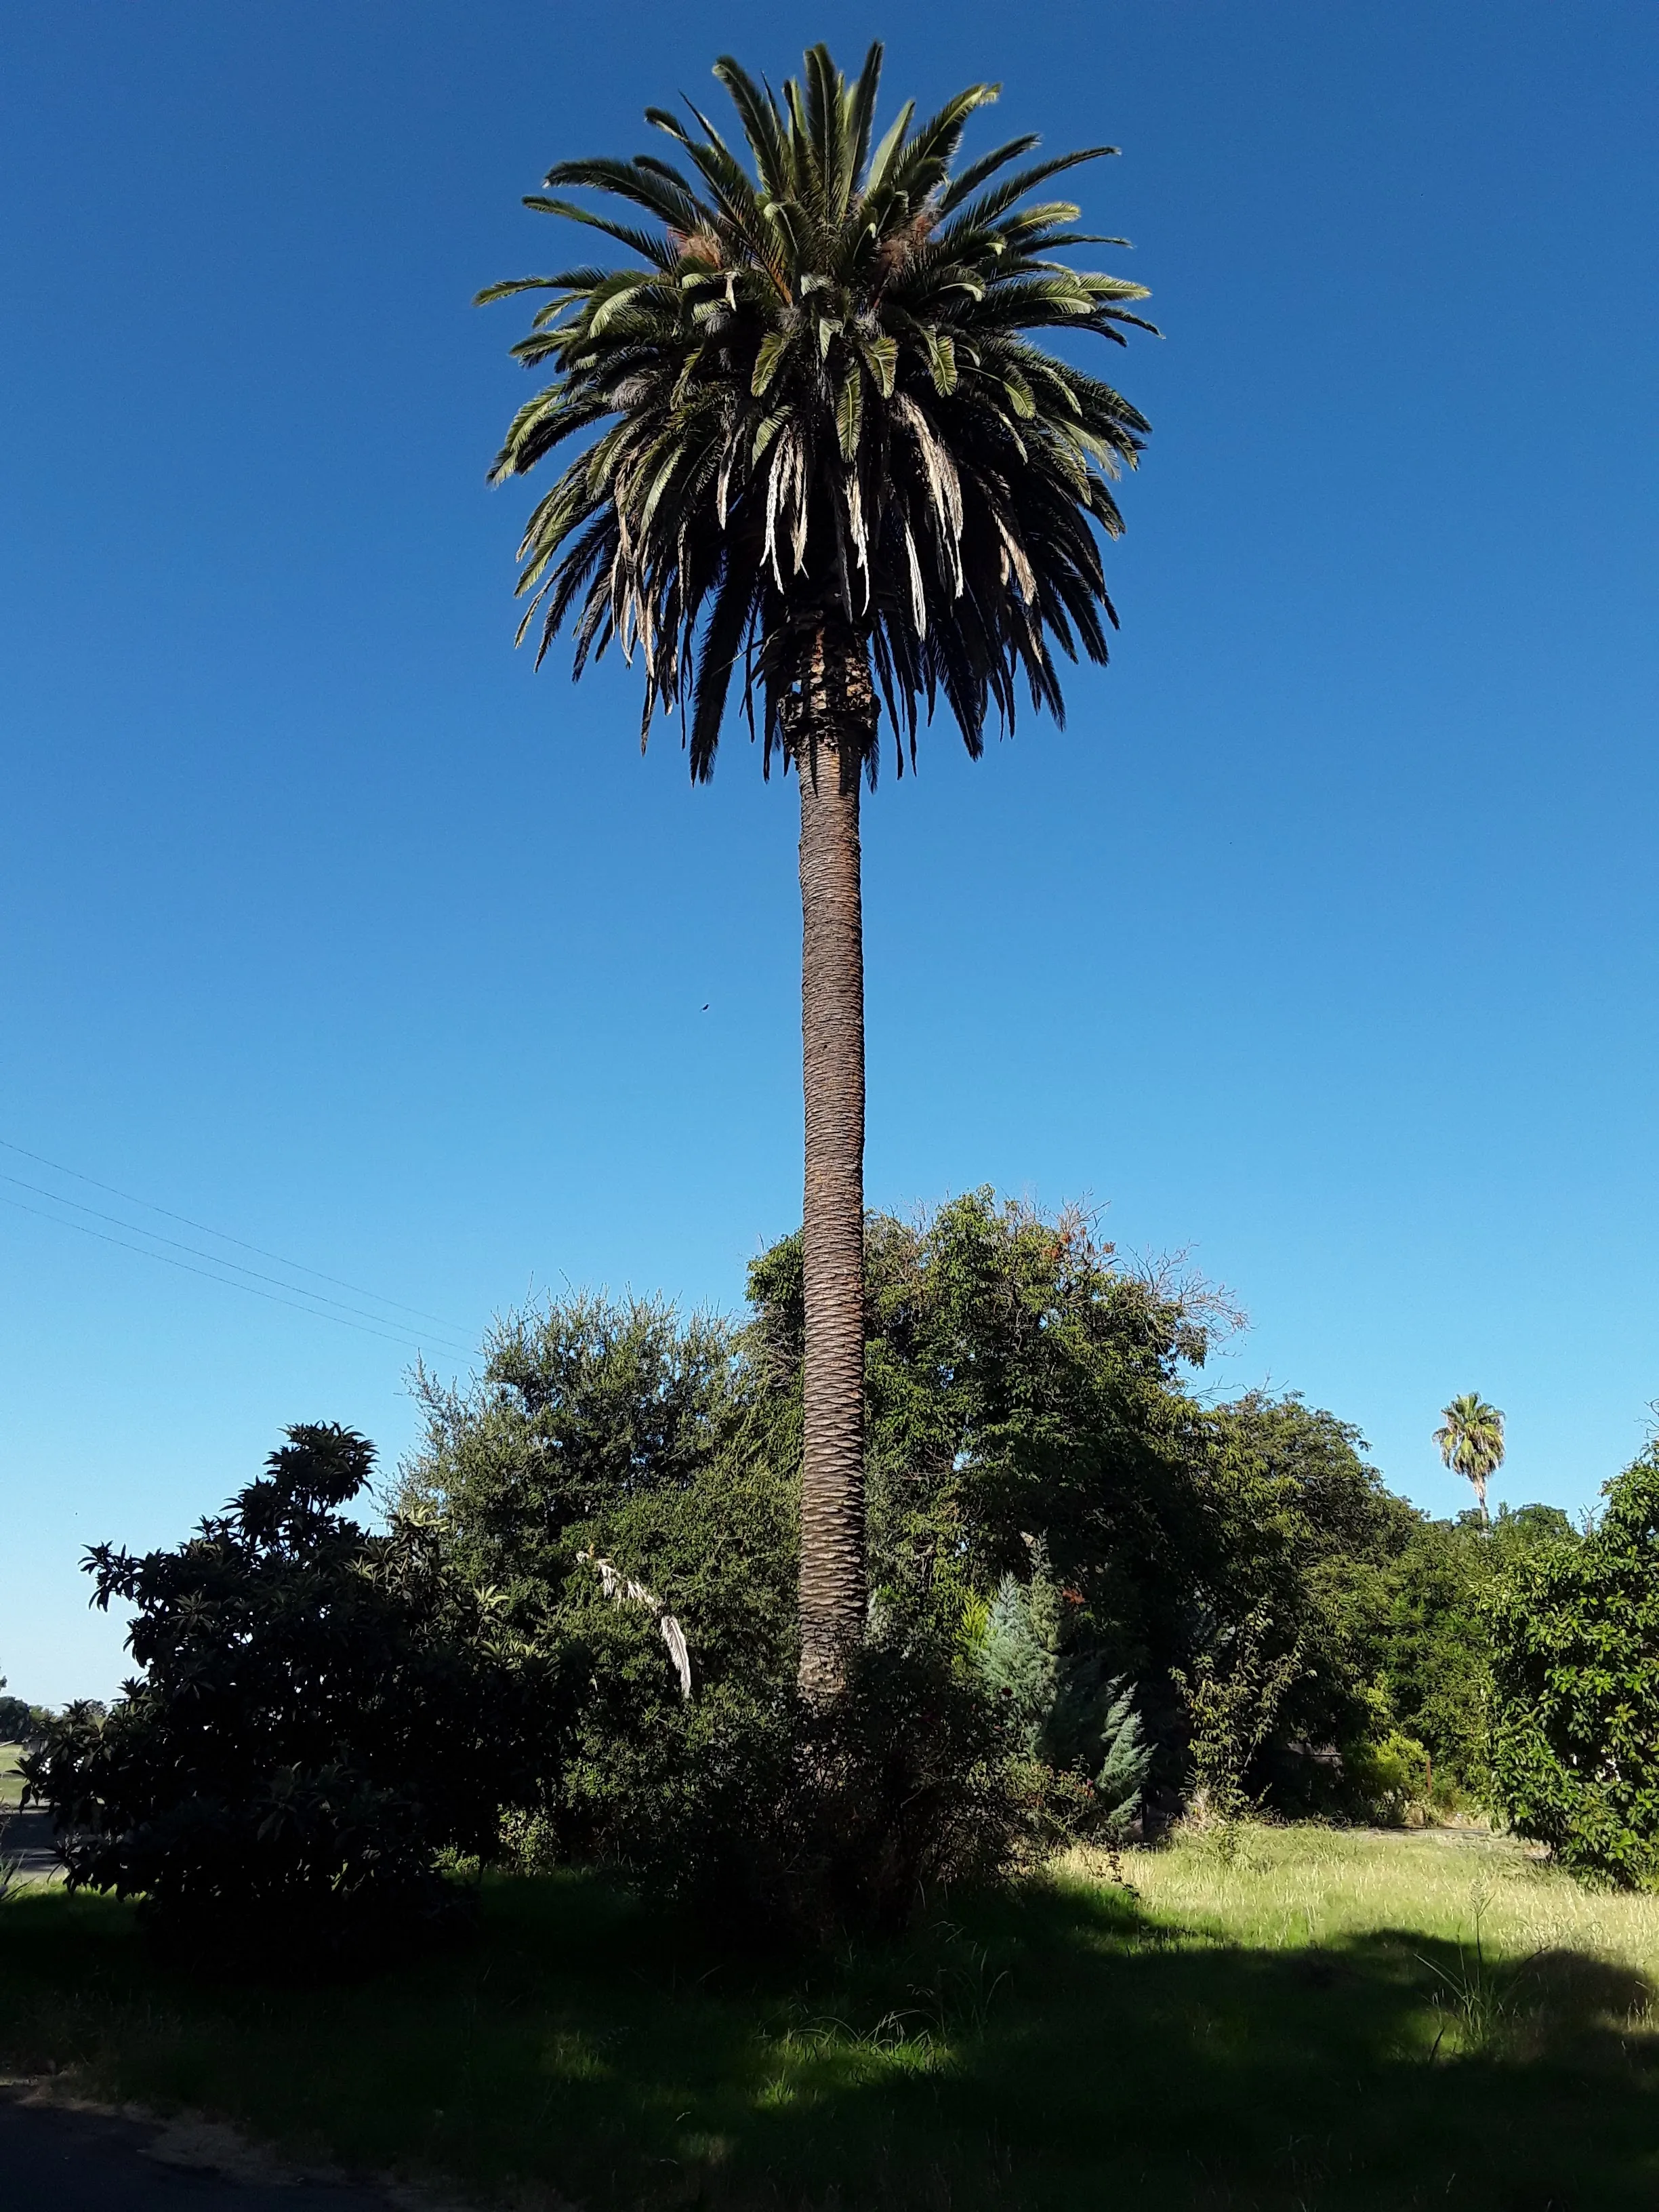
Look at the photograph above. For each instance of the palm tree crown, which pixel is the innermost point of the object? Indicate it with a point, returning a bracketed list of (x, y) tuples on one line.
[(1471, 1440), (816, 404)]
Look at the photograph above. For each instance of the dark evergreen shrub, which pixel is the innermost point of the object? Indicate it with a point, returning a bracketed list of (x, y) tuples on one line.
[(785, 1821), (905, 1787), (320, 1711)]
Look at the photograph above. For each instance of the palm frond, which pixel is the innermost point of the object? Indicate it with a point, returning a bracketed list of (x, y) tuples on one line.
[(648, 245), (650, 184)]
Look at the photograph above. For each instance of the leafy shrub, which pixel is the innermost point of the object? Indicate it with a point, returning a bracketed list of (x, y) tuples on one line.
[(613, 1429), (1428, 1642), (1389, 1776), (321, 1710), (776, 1821), (811, 1820), (1234, 1694), (1574, 1735), (905, 1787)]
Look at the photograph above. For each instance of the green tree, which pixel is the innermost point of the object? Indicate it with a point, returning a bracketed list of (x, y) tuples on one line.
[(1471, 1440), (318, 1710), (592, 1414), (611, 1447), (822, 450), (1053, 1511), (1025, 1385), (1290, 1648), (622, 1431), (16, 1718), (1575, 1728), (1433, 1648)]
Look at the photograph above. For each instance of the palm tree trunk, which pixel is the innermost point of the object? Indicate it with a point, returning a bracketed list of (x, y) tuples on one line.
[(832, 731)]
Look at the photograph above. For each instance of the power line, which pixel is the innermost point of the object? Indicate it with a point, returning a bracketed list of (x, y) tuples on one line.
[(213, 1258), (228, 1281), (223, 1236)]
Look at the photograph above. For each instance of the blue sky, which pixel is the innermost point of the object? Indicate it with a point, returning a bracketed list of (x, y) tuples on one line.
[(1322, 942)]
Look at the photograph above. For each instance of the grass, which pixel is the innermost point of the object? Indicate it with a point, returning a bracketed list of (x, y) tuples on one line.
[(11, 1782), (1278, 2019)]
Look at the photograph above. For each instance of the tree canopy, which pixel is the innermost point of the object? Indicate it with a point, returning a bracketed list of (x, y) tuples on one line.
[(1575, 1633), (1033, 1418)]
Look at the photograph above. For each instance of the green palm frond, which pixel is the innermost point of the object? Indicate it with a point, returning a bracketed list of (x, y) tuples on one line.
[(820, 397), (1471, 1438)]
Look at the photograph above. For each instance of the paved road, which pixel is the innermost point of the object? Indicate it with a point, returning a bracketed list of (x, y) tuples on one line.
[(52, 2160), (57, 2161), (26, 1839)]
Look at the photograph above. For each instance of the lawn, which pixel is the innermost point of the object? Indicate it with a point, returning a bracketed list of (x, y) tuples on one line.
[(11, 1782), (1302, 2018)]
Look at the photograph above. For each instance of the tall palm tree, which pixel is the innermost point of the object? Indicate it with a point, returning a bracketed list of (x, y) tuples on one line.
[(822, 453), (1472, 1442)]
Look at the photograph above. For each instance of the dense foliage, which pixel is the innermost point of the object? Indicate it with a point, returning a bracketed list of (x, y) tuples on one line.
[(617, 1433), (1028, 1390), (614, 1436), (1149, 1592), (1097, 1600), (1575, 1631), (321, 1710), (1431, 1639), (19, 1722)]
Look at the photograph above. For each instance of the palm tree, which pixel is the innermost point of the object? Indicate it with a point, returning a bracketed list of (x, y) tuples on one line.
[(1472, 1442), (823, 455)]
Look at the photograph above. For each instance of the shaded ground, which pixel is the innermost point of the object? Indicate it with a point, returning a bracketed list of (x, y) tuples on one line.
[(52, 2160), (1073, 2044)]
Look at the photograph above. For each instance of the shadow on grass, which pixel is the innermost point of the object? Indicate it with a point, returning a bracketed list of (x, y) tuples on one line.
[(1056, 2048)]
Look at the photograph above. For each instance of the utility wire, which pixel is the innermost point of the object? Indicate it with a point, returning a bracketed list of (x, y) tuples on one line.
[(228, 1281), (213, 1258), (223, 1236)]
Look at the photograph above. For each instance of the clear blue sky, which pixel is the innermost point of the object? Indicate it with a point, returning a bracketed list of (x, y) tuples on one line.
[(1322, 940)]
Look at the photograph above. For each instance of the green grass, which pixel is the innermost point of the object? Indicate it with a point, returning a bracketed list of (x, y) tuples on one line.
[(1295, 2019), (11, 1782)]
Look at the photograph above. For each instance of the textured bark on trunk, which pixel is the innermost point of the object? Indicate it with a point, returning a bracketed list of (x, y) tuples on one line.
[(833, 728)]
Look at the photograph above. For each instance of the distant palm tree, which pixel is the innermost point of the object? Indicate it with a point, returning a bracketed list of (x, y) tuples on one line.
[(823, 457), (1472, 1442)]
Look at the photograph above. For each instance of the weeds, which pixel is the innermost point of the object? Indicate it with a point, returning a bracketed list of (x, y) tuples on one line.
[(1476, 1998), (952, 1999), (958, 2001)]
